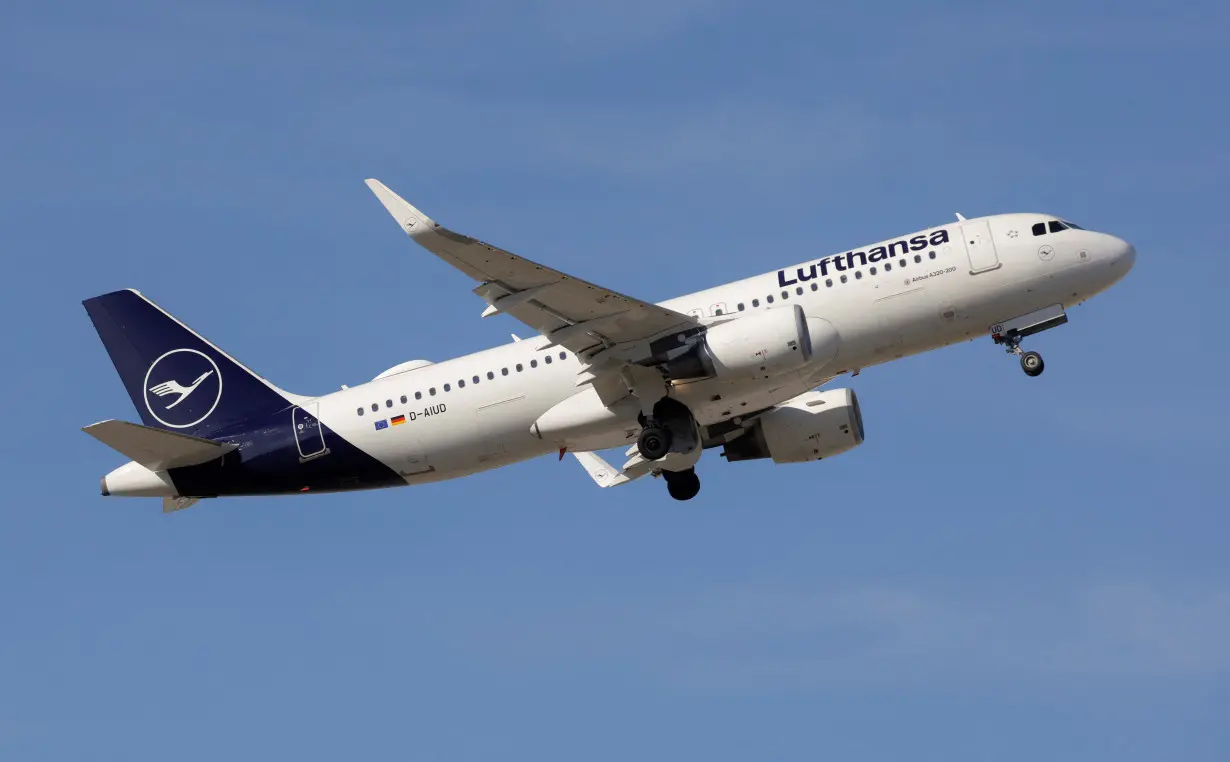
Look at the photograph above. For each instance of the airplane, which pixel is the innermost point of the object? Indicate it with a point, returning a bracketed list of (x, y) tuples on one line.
[(739, 367)]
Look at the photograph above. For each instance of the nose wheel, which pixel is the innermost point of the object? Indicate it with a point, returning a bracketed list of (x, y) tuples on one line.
[(1031, 362)]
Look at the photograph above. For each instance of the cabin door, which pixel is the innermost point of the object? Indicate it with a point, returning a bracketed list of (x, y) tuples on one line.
[(980, 247)]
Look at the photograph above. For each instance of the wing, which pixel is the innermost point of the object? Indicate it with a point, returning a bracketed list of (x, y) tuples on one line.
[(572, 313)]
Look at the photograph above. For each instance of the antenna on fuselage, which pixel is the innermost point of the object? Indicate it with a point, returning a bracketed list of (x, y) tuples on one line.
[(960, 217)]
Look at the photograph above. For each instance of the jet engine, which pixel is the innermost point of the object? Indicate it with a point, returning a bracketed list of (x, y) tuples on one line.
[(755, 346), (809, 427)]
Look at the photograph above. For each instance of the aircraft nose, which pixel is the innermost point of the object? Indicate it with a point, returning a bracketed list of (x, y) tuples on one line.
[(1124, 255)]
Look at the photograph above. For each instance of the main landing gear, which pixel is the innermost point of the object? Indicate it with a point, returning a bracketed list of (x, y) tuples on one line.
[(654, 442), (682, 485), (670, 438)]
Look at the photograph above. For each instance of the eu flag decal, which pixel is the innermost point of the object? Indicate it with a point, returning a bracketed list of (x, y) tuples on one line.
[(381, 425), (397, 420)]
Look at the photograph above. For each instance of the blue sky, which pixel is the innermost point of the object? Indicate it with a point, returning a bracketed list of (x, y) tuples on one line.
[(1009, 567)]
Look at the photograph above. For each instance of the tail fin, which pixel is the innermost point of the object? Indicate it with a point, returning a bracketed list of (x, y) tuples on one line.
[(177, 379)]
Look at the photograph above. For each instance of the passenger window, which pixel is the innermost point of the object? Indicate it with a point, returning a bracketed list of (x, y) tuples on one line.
[(547, 359), (843, 279), (490, 375), (533, 363), (520, 367), (917, 258), (418, 395), (503, 371), (432, 391), (785, 294), (901, 262), (375, 406), (769, 299), (740, 306), (858, 274), (475, 379), (404, 400), (1039, 229), (815, 287), (873, 271), (388, 403), (563, 355), (447, 388), (888, 266), (1056, 226), (461, 383), (755, 302), (360, 411), (932, 255), (828, 283), (799, 290)]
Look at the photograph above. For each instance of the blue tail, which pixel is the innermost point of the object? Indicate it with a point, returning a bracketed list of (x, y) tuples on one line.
[(178, 380)]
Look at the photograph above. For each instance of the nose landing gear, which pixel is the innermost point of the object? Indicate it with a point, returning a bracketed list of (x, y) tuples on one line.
[(1010, 332), (1031, 362)]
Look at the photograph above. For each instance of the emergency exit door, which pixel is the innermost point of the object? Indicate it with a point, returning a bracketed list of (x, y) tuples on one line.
[(980, 247)]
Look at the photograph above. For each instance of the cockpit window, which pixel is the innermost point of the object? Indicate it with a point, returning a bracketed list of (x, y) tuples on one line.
[(1040, 228), (1056, 226), (1073, 225)]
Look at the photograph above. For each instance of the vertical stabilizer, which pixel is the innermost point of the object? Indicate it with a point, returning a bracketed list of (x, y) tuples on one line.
[(177, 380)]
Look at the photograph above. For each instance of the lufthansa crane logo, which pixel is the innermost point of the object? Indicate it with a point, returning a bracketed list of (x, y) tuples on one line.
[(182, 388)]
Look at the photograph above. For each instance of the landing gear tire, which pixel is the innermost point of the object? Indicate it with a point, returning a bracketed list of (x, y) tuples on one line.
[(682, 485), (654, 442), (1031, 363)]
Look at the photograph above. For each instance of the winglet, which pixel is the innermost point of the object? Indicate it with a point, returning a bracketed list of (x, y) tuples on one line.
[(409, 218), (603, 473)]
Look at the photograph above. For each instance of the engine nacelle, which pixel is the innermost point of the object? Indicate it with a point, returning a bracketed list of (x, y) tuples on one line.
[(809, 427), (757, 346)]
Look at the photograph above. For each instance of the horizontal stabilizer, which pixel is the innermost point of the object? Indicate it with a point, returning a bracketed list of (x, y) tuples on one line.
[(156, 449), (173, 504), (603, 473)]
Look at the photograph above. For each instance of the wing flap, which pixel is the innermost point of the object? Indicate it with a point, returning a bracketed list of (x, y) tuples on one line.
[(156, 449)]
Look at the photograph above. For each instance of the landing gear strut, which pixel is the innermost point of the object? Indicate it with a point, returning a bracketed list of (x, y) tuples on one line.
[(1031, 362), (682, 485)]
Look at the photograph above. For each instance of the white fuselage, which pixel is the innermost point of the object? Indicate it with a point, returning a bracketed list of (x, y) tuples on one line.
[(988, 270)]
